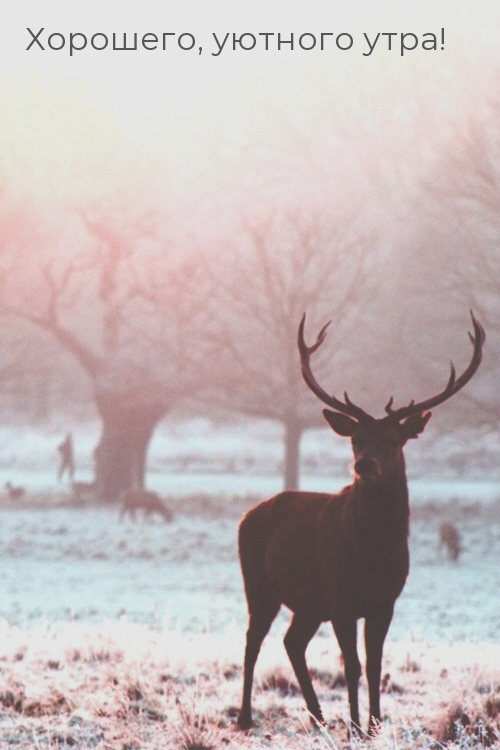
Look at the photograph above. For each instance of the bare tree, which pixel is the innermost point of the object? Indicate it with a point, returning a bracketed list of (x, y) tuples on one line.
[(30, 384), (125, 308), (282, 267), (454, 256), (32, 387)]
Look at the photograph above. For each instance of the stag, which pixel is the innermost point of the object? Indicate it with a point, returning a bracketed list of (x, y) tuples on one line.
[(340, 557)]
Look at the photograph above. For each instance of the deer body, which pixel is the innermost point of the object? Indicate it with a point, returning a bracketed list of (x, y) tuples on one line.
[(338, 557), (449, 538), (146, 500), (307, 539), (14, 493)]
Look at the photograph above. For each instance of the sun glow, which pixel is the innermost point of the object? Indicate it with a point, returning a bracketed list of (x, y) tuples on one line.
[(216, 136), (172, 96)]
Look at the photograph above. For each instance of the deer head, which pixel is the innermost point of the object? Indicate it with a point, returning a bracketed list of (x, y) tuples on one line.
[(378, 443)]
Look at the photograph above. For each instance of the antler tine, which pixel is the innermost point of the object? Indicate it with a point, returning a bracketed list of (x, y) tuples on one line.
[(453, 385), (320, 339), (305, 351), (388, 406), (349, 402)]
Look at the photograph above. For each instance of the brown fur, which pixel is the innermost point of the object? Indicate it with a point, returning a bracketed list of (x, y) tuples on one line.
[(449, 539), (146, 500), (14, 493)]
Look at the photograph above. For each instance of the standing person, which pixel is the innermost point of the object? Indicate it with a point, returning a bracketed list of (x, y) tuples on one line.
[(66, 458)]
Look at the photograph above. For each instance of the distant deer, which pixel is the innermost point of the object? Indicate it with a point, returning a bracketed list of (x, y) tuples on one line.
[(14, 493), (449, 539), (146, 500), (338, 557)]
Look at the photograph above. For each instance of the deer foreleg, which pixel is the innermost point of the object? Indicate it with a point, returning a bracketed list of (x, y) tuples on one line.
[(376, 627), (346, 632), (258, 628)]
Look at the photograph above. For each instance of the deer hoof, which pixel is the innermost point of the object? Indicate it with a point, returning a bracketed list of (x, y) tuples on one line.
[(244, 721)]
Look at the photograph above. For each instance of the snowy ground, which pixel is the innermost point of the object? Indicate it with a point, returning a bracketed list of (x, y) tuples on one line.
[(129, 635), (192, 450), (84, 564)]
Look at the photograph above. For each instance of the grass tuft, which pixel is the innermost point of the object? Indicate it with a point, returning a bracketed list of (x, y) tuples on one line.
[(119, 685)]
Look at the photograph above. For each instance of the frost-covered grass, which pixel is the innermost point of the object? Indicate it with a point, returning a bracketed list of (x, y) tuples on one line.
[(124, 686), (129, 635)]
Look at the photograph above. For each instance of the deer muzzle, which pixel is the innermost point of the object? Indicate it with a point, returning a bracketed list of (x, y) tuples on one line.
[(367, 467)]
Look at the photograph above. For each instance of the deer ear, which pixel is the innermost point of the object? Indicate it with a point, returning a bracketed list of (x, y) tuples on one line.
[(413, 426), (340, 423)]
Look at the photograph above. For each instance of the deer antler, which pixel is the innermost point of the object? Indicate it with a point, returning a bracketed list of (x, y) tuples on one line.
[(346, 406), (454, 384)]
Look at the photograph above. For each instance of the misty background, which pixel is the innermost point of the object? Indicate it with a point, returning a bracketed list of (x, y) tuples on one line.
[(162, 231)]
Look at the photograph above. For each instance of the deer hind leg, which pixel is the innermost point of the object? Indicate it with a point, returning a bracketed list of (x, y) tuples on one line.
[(376, 627), (260, 621), (299, 634), (346, 632)]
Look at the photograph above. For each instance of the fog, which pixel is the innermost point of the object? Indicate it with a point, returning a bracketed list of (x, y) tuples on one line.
[(168, 215)]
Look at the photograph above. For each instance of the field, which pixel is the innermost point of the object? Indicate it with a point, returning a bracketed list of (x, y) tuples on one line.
[(122, 635), (124, 686)]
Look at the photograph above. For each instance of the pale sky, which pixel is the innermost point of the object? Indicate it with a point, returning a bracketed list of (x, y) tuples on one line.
[(144, 76), (201, 112)]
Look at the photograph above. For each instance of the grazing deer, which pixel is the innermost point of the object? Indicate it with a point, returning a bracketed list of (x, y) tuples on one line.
[(14, 493), (449, 539), (338, 557), (150, 502)]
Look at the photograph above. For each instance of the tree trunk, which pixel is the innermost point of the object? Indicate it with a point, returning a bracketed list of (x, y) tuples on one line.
[(293, 434), (120, 456)]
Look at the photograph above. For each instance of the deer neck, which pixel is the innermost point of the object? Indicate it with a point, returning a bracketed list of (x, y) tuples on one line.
[(393, 486), (384, 502)]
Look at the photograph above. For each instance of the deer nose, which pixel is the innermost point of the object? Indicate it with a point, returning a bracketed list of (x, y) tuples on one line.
[(366, 466)]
